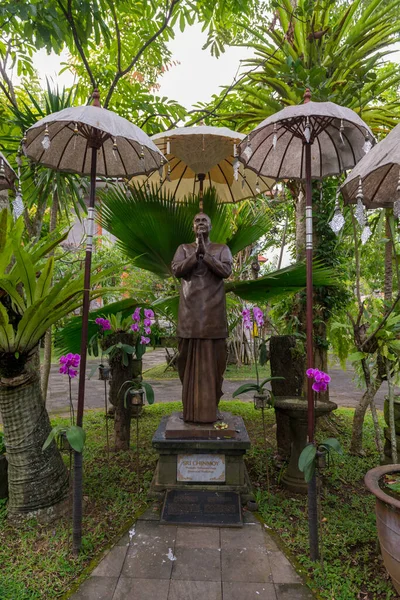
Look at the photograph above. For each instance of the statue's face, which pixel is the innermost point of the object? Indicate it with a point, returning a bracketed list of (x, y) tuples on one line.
[(202, 224)]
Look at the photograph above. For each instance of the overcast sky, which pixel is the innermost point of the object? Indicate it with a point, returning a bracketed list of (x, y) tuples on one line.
[(195, 79)]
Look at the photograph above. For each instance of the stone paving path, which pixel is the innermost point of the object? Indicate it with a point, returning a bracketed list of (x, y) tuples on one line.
[(169, 562)]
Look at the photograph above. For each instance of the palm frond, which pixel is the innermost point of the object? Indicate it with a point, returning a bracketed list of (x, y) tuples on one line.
[(278, 283), (150, 225)]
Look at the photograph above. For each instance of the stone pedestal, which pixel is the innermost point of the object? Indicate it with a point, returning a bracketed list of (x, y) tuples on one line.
[(296, 410), (200, 457)]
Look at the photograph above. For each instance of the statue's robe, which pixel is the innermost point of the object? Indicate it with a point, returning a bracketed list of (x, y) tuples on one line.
[(202, 328)]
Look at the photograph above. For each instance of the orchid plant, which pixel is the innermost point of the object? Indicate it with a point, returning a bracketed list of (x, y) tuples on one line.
[(141, 330), (254, 327), (308, 458), (75, 435)]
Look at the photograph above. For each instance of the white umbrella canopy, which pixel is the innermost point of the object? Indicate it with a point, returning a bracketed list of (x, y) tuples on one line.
[(379, 172), (7, 174), (276, 147), (203, 157), (62, 141)]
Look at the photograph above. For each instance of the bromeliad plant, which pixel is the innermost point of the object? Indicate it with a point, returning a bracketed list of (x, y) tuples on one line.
[(30, 303), (257, 351)]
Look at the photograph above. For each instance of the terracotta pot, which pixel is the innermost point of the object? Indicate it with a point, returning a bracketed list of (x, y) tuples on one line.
[(387, 521)]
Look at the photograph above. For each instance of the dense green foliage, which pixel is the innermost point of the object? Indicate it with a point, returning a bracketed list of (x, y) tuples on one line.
[(338, 50)]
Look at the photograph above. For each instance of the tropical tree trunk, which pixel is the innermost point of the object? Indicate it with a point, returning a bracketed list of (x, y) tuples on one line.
[(36, 479), (119, 375), (48, 336), (373, 385)]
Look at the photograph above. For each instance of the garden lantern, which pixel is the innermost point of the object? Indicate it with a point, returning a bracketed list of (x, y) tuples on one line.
[(104, 373), (262, 401), (310, 141), (89, 140)]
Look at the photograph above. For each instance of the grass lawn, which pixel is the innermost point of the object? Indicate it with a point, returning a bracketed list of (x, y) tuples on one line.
[(36, 562), (232, 372)]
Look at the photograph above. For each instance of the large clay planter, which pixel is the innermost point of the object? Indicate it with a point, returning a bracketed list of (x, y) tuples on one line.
[(387, 521)]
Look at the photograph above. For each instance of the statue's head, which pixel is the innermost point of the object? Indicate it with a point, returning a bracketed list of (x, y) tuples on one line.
[(202, 224)]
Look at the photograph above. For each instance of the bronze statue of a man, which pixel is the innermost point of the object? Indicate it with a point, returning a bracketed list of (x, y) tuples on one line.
[(202, 323)]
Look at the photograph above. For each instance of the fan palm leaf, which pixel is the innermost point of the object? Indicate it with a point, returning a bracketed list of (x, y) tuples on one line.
[(149, 226)]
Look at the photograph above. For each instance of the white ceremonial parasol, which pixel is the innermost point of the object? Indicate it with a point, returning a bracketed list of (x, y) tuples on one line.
[(308, 141), (89, 140), (203, 157)]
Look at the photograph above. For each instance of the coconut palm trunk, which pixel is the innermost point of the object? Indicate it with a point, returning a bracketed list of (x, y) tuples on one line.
[(37, 479)]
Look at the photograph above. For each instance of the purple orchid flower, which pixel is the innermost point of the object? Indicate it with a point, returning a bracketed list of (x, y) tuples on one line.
[(103, 323), (258, 316), (135, 327), (69, 364), (136, 314), (321, 379), (246, 318), (144, 340)]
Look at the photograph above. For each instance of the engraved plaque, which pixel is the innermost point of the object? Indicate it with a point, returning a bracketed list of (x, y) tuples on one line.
[(206, 468), (221, 509)]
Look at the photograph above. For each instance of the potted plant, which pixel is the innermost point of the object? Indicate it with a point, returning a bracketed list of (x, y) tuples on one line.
[(384, 483), (135, 392), (3, 469), (263, 397)]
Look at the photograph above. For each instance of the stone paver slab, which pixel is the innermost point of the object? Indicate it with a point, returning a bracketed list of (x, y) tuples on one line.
[(141, 589), (151, 514), (293, 591), (248, 591), (282, 570), (150, 551), (111, 565), (194, 590), (249, 536), (249, 517), (124, 540), (246, 565), (197, 564), (96, 588), (198, 537)]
